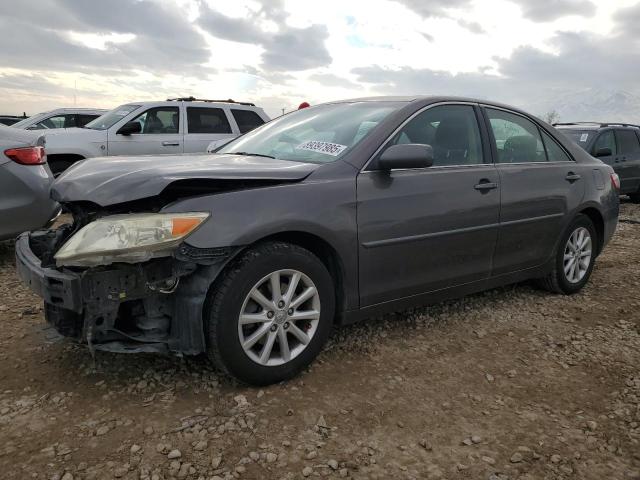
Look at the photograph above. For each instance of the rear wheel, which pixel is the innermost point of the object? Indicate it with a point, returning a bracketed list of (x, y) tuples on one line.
[(635, 197), (270, 314), (575, 258)]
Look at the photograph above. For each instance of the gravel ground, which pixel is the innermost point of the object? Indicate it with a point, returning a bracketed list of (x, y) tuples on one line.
[(513, 383)]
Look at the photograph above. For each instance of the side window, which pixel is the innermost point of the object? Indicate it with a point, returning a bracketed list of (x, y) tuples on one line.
[(628, 141), (247, 120), (83, 119), (605, 140), (517, 139), (555, 153), (159, 120), (207, 120), (57, 121), (452, 131)]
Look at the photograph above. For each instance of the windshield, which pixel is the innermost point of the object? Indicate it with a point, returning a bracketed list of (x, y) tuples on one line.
[(111, 118), (27, 120), (581, 137), (314, 135)]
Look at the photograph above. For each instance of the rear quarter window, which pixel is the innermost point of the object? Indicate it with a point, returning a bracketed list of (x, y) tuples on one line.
[(247, 120)]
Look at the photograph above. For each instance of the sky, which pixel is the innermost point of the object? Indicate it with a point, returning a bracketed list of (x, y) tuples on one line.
[(534, 54)]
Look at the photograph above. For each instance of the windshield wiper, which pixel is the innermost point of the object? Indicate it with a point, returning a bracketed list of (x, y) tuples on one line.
[(248, 154)]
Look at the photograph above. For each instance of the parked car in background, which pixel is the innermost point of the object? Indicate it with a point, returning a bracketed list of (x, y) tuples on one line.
[(179, 125), (10, 119), (60, 118), (25, 180), (616, 144), (329, 214)]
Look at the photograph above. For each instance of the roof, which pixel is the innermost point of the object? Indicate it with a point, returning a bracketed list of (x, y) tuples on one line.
[(592, 125)]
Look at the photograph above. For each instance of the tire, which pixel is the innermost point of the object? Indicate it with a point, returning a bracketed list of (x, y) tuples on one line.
[(233, 294), (557, 280), (634, 197)]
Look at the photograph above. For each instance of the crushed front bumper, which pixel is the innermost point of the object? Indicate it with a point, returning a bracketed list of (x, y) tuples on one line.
[(155, 306)]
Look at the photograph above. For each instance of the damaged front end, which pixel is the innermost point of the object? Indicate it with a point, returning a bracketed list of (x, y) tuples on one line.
[(152, 302)]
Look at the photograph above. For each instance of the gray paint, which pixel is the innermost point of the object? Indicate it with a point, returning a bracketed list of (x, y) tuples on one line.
[(402, 238), (107, 181), (24, 189)]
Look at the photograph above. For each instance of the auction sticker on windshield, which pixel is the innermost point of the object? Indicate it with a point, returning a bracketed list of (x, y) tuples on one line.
[(333, 149), (583, 137)]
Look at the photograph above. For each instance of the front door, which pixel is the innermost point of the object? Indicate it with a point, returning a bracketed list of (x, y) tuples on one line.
[(421, 230), (160, 132), (540, 185), (628, 161)]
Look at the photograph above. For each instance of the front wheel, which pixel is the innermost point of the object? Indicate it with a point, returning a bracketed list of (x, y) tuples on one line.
[(270, 314), (575, 258)]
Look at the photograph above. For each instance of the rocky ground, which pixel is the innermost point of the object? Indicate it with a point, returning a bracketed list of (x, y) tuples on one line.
[(514, 383)]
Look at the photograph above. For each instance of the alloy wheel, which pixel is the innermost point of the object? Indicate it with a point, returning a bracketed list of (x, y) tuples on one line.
[(279, 317), (577, 255)]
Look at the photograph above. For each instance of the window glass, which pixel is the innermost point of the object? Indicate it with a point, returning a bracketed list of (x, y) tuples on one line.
[(555, 153), (57, 121), (247, 120), (109, 119), (318, 134), (517, 139), (628, 141), (207, 120), (85, 118), (452, 131), (606, 140), (159, 120)]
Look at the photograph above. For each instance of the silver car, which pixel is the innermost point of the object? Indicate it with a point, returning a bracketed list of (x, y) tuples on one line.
[(25, 180), (60, 118)]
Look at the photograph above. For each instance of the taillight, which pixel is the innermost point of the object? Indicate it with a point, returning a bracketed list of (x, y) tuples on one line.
[(615, 181), (27, 155)]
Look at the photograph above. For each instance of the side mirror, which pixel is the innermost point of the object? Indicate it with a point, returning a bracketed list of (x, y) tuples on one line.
[(603, 152), (407, 155), (129, 128)]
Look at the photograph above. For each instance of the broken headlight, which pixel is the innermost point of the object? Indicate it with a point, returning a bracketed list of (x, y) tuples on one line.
[(128, 238)]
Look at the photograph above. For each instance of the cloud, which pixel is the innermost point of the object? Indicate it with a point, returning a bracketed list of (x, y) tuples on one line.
[(549, 10), (331, 80), (582, 61), (473, 27), (288, 49), (432, 8), (164, 41)]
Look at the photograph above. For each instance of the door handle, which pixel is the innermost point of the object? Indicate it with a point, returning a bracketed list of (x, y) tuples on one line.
[(572, 177), (485, 185), (170, 144), (624, 159)]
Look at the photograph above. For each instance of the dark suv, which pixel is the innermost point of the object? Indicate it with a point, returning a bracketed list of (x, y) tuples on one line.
[(616, 144), (326, 215)]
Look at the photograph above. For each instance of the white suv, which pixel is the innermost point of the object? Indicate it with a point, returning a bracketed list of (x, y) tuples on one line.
[(60, 118), (178, 125)]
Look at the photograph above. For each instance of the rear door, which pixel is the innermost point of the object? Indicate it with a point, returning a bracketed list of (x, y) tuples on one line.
[(205, 125), (425, 229), (628, 160), (160, 133), (540, 185)]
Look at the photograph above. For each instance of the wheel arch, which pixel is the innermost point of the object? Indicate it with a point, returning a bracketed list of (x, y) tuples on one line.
[(322, 249), (598, 222)]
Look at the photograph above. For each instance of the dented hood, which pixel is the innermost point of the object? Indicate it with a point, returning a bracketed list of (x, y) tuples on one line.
[(112, 180)]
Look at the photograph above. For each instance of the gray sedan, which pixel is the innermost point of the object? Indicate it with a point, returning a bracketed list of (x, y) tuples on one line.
[(325, 216), (25, 180)]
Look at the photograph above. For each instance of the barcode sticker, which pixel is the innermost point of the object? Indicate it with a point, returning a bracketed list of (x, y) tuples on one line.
[(333, 149)]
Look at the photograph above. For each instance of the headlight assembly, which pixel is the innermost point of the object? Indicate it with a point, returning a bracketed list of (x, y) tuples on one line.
[(128, 238)]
